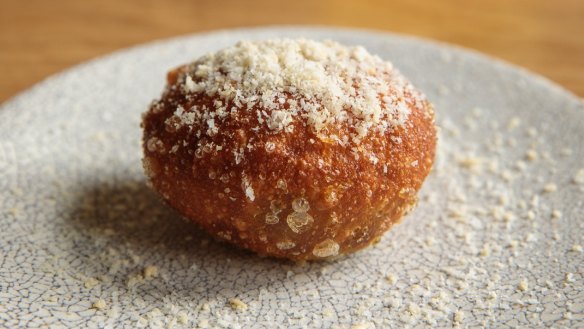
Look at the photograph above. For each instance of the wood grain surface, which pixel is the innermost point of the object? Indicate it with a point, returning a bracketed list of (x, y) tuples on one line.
[(39, 38)]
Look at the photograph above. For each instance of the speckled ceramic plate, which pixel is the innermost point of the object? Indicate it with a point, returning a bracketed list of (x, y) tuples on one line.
[(495, 241)]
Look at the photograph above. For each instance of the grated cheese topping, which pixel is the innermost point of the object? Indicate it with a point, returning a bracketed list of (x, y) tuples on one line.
[(323, 84)]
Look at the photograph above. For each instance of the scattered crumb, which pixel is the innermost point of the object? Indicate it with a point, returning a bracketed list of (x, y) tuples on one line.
[(391, 278), (204, 323), (513, 123), (569, 278), (506, 175), (150, 272), (363, 325), (237, 304), (458, 317), (183, 318), (413, 309), (415, 289), (531, 155), (508, 216), (520, 165), (14, 211), (328, 312), (429, 241), (576, 248), (513, 244), (171, 323), (471, 163), (579, 177), (550, 188), (530, 237), (492, 296), (523, 285), (90, 283), (99, 304), (485, 251), (556, 214), (135, 279), (535, 201)]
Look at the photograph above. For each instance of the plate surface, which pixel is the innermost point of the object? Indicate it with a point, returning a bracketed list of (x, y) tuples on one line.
[(496, 239)]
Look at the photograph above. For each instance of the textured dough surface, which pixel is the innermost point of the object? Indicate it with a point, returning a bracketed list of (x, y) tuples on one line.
[(293, 192)]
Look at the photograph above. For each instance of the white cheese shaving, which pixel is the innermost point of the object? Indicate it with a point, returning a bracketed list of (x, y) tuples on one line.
[(321, 84)]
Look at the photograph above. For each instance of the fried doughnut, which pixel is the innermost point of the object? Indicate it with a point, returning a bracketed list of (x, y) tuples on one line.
[(295, 149)]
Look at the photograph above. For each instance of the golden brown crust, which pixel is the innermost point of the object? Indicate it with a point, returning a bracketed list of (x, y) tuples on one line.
[(295, 195)]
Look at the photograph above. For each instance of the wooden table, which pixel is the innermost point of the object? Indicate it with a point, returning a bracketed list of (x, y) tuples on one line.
[(39, 37)]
